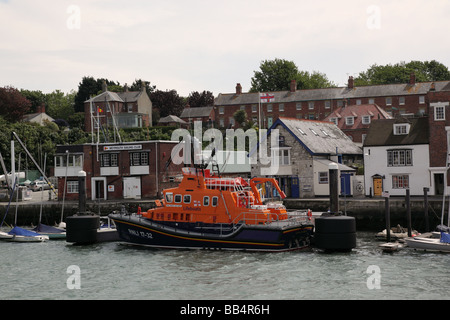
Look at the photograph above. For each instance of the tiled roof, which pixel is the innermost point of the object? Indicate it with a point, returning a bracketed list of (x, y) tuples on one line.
[(319, 137), (381, 132), (357, 111), (335, 93), (196, 112)]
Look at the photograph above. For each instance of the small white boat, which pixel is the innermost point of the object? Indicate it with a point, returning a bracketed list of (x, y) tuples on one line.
[(439, 244), (5, 236), (396, 233), (390, 246)]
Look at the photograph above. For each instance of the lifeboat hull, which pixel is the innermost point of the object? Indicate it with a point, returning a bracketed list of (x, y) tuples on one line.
[(273, 237)]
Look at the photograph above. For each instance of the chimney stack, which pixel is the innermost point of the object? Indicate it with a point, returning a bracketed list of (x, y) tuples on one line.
[(350, 82), (41, 108), (412, 79), (238, 88), (293, 85)]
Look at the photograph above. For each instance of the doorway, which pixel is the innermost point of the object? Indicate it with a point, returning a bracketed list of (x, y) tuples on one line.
[(438, 183), (98, 188)]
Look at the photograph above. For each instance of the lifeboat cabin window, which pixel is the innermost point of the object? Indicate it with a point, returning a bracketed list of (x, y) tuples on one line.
[(169, 197), (215, 200), (187, 198), (206, 201), (178, 198)]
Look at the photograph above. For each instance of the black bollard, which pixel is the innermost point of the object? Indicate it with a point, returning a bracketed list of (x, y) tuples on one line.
[(408, 212), (388, 218), (333, 170), (425, 204), (82, 228)]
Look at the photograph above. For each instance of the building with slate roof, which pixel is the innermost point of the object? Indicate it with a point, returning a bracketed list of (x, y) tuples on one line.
[(300, 161), (203, 114), (317, 104), (128, 109), (396, 157)]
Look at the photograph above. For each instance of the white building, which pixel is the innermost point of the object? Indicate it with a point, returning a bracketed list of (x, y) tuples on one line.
[(396, 157)]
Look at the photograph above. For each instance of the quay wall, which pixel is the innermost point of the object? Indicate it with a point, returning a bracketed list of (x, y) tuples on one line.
[(368, 212)]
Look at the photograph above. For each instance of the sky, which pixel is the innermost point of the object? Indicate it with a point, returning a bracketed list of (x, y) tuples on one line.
[(210, 45)]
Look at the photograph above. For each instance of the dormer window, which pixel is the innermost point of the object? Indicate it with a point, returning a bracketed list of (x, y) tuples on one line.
[(401, 129), (349, 121), (365, 119)]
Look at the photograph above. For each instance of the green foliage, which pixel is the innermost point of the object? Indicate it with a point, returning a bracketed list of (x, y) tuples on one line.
[(276, 75), (400, 73)]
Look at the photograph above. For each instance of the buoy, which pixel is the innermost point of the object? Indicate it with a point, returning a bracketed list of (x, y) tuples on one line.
[(82, 229), (335, 233)]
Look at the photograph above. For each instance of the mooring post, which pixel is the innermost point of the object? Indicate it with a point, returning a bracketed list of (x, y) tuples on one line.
[(388, 218), (333, 170), (81, 192), (408, 212), (425, 204)]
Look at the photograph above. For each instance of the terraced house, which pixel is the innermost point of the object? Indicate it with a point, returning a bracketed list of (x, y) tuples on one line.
[(317, 104)]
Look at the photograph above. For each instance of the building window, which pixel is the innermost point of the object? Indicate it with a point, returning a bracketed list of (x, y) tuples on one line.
[(109, 160), (398, 158), (358, 102), (298, 106), (371, 101), (401, 129), (243, 107), (401, 101), (221, 110), (323, 177), (340, 103), (389, 101), (72, 187), (281, 107), (254, 109), (281, 156), (349, 121), (422, 99), (327, 104), (400, 181), (138, 158), (311, 105), (439, 113), (269, 107), (365, 119), (334, 120)]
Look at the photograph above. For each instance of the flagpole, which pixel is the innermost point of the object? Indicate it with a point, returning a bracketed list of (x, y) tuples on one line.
[(259, 114)]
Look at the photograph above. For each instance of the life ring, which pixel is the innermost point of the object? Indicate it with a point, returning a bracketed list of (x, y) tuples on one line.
[(309, 214)]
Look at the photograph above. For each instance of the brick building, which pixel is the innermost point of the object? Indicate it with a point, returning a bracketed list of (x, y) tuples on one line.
[(132, 170), (439, 123), (355, 120), (317, 104)]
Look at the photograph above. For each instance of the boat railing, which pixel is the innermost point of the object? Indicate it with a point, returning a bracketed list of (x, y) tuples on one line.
[(254, 217)]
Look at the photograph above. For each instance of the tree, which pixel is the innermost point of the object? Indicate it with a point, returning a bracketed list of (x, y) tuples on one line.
[(204, 99), (276, 75), (240, 116), (167, 102), (400, 73), (13, 105), (60, 105), (36, 98)]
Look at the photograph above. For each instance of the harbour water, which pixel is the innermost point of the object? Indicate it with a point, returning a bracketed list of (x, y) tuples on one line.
[(58, 270)]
